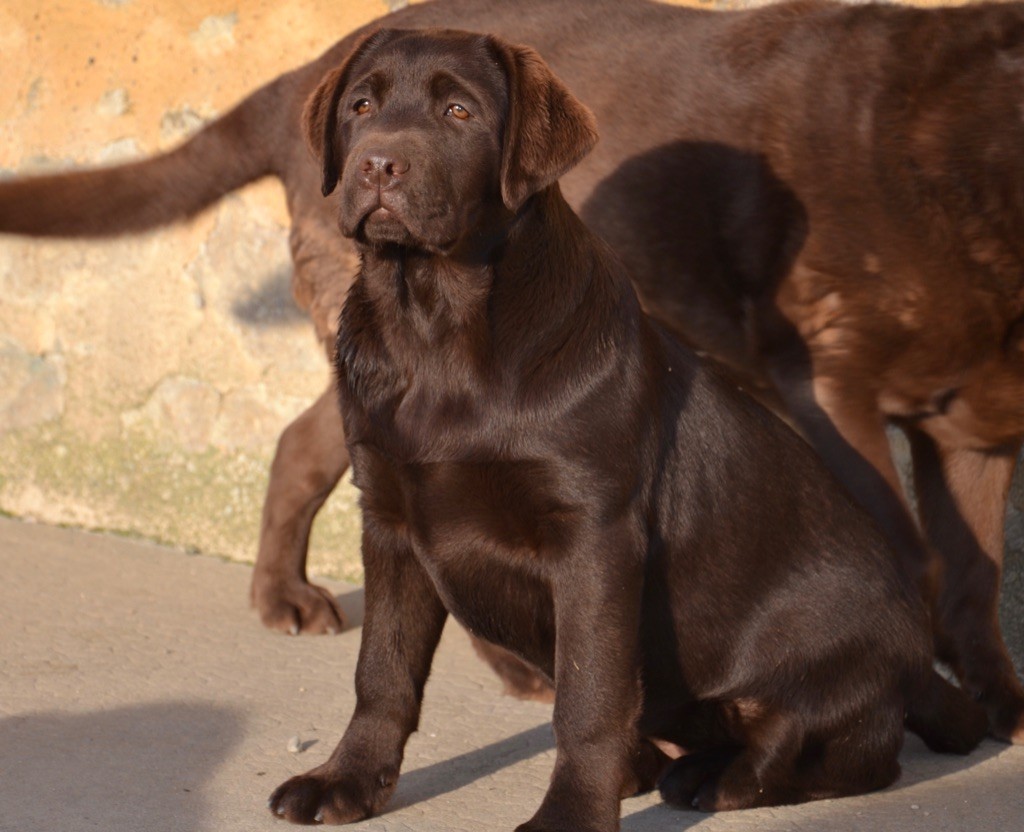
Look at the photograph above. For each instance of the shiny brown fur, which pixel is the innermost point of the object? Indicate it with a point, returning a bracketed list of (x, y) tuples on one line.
[(824, 197), (540, 460)]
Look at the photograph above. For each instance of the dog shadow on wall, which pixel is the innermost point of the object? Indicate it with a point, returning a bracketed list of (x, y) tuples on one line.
[(271, 304)]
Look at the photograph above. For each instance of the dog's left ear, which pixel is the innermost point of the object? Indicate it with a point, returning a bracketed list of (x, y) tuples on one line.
[(320, 117), (547, 129)]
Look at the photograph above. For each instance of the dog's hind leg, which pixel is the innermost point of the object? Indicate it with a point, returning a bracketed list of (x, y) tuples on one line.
[(310, 459), (857, 756), (784, 760), (761, 773), (684, 778), (846, 428)]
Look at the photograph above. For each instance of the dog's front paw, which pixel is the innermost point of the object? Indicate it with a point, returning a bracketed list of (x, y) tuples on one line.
[(540, 826), (574, 817), (296, 606), (325, 796)]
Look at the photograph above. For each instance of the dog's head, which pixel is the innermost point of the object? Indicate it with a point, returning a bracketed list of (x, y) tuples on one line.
[(428, 131)]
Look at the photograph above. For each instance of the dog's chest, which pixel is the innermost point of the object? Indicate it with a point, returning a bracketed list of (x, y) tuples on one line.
[(486, 532), (472, 524), (509, 507)]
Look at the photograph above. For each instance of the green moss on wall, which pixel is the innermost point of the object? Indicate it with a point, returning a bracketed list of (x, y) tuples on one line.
[(209, 501)]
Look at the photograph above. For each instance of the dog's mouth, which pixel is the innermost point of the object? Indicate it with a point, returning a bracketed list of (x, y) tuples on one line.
[(381, 226), (380, 223)]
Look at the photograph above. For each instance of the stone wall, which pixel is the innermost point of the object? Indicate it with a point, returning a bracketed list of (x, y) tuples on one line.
[(144, 381)]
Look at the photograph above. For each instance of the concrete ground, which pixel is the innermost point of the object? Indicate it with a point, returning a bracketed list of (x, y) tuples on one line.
[(139, 694)]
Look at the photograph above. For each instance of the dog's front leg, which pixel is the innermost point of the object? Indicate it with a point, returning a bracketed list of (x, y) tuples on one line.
[(403, 623), (597, 590)]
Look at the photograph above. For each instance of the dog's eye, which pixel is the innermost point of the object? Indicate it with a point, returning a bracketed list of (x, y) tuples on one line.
[(458, 111), (361, 107)]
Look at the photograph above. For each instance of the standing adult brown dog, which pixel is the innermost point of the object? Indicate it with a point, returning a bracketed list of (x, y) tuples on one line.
[(538, 459), (824, 197)]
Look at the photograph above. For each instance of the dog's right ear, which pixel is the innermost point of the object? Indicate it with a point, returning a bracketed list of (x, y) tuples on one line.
[(320, 117)]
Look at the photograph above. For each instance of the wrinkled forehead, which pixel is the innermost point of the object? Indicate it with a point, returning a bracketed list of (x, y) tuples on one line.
[(438, 62)]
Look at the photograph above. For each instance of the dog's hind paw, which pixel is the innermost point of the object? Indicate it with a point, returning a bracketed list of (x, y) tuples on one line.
[(689, 782)]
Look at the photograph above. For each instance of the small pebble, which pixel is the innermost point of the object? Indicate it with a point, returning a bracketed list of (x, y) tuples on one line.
[(295, 745)]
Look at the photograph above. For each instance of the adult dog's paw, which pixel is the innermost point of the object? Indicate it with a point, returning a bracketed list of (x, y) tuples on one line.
[(323, 796), (1005, 706), (296, 606)]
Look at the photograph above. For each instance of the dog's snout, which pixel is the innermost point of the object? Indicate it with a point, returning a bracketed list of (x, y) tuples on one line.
[(383, 170)]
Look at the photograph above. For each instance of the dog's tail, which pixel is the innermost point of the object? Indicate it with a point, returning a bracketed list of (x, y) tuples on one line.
[(945, 717), (228, 153)]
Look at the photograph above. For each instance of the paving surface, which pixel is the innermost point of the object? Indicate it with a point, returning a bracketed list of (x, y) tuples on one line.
[(139, 694)]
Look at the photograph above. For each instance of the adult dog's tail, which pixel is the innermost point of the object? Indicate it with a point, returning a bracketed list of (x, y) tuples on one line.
[(946, 718), (228, 153)]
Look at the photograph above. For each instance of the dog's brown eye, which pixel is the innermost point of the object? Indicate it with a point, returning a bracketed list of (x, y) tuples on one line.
[(458, 111), (361, 107)]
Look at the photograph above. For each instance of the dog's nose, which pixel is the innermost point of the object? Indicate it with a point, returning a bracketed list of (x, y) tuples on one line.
[(383, 170)]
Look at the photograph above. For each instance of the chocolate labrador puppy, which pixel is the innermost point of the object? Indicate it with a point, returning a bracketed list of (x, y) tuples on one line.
[(540, 460), (822, 196)]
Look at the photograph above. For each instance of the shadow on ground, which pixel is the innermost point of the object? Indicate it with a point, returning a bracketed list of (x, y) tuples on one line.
[(352, 604), (146, 767), (456, 772)]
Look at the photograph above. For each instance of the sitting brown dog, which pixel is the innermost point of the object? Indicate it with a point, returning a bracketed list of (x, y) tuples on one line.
[(822, 196), (540, 460)]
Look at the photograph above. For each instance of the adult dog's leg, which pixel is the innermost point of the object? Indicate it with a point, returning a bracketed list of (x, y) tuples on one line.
[(962, 500), (404, 619), (311, 457)]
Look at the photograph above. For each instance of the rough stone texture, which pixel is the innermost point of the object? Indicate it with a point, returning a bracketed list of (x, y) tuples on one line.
[(113, 103), (215, 35), (31, 387), (144, 381), (140, 694)]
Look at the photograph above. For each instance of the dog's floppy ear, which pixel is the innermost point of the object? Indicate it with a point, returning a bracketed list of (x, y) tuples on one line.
[(320, 117), (547, 129)]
